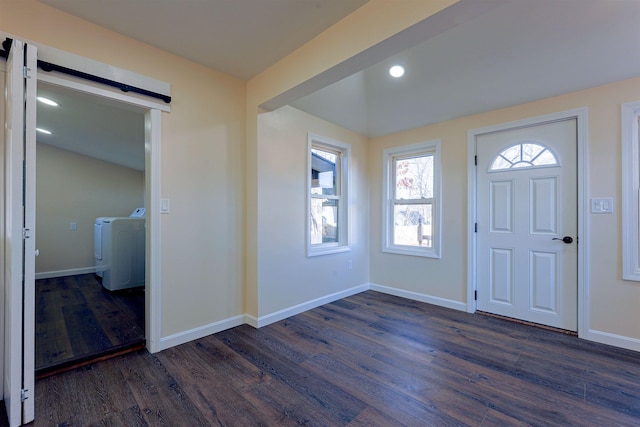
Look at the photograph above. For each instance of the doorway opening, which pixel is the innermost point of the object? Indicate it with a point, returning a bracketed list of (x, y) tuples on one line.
[(21, 80), (90, 164)]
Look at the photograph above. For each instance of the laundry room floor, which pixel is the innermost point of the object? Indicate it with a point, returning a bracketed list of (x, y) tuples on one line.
[(77, 320)]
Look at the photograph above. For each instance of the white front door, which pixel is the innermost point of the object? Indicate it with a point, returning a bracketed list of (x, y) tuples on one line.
[(19, 275), (527, 224)]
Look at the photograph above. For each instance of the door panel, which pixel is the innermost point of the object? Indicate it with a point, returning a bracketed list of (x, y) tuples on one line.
[(544, 206), (544, 281), (501, 276), (13, 239), (526, 198), (501, 206), (29, 254), (19, 288)]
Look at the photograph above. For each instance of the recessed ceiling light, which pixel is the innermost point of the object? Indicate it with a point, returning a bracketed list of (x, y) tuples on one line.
[(48, 101), (48, 132), (396, 71)]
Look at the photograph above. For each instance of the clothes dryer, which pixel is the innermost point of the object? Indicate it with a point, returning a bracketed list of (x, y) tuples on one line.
[(119, 250)]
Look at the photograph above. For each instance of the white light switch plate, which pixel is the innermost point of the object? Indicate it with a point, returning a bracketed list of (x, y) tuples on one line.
[(602, 205), (164, 206)]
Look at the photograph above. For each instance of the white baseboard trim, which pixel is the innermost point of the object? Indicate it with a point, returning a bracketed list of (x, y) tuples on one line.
[(200, 332), (613, 339), (251, 320), (297, 309), (442, 302), (259, 322), (63, 273)]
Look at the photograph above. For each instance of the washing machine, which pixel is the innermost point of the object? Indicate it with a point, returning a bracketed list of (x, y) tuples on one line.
[(119, 250)]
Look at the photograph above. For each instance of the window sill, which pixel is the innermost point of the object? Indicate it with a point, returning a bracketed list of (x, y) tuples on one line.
[(326, 250), (405, 250)]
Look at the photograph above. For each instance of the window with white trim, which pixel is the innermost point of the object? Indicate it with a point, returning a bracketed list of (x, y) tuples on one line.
[(631, 191), (412, 205), (328, 202)]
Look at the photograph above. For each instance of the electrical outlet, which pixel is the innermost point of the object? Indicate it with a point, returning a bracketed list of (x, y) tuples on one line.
[(350, 265)]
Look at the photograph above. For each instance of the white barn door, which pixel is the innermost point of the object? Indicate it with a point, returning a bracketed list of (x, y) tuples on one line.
[(19, 275), (527, 224)]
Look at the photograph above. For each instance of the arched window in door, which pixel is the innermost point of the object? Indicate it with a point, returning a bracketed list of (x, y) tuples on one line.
[(523, 155)]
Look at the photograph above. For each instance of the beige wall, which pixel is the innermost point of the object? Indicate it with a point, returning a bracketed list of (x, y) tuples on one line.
[(75, 188), (202, 169), (613, 302), (286, 277), (212, 146), (315, 62)]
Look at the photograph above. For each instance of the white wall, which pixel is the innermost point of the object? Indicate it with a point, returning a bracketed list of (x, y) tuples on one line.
[(76, 188), (286, 277)]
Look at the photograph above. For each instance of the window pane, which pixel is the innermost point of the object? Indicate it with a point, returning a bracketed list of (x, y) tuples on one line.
[(512, 154), (414, 177), (323, 172), (523, 155), (531, 151), (324, 221), (500, 163), (412, 225), (545, 158)]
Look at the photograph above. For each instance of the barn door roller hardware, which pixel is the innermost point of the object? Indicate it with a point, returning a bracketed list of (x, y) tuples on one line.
[(6, 47), (48, 67)]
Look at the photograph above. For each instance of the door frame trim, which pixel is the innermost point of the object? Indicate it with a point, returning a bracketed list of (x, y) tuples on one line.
[(153, 116), (582, 117)]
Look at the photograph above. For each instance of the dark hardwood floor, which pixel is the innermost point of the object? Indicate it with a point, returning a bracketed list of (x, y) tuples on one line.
[(370, 359), (77, 320)]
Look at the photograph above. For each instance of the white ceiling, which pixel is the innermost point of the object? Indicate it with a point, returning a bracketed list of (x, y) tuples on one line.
[(92, 126), (513, 52), (521, 51), (238, 37)]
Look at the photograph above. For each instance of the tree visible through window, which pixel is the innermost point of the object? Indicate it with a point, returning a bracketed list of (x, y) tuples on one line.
[(412, 190), (413, 201)]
